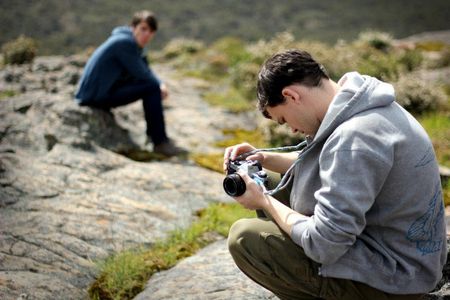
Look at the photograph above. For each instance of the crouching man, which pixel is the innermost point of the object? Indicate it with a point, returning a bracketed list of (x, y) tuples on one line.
[(366, 216)]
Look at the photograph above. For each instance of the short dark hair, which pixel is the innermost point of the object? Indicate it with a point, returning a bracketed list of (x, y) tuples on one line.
[(283, 69), (147, 16)]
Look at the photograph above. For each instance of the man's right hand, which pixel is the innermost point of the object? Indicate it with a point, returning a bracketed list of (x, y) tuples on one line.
[(232, 152)]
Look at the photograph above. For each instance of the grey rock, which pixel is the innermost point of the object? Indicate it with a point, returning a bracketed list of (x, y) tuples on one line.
[(210, 274), (68, 199)]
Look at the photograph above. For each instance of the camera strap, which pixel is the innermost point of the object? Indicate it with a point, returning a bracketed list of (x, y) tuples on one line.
[(298, 147), (285, 180)]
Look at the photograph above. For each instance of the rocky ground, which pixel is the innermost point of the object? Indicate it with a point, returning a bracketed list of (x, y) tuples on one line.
[(68, 199)]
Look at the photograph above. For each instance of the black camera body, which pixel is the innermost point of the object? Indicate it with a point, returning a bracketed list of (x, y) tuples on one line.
[(234, 185)]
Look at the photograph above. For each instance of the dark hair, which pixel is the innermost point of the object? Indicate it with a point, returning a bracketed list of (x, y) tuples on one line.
[(284, 69), (147, 16)]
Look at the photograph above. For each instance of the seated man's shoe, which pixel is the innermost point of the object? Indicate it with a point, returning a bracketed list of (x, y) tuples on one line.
[(169, 149)]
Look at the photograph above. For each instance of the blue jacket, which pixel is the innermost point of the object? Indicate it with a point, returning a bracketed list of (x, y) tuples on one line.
[(118, 58)]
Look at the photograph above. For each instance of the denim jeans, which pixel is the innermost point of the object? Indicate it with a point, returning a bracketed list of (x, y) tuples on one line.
[(131, 91)]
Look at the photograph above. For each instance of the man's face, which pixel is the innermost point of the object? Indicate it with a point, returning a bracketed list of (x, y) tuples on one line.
[(299, 111), (142, 34)]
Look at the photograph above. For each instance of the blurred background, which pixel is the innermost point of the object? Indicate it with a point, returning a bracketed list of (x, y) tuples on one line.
[(63, 26)]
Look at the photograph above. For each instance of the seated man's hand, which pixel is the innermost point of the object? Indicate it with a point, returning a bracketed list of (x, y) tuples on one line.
[(164, 91)]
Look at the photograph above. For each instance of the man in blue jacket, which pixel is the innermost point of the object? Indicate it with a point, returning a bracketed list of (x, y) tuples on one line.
[(117, 74)]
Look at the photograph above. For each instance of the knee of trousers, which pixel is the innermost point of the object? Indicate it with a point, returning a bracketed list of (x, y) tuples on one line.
[(239, 231), (152, 86)]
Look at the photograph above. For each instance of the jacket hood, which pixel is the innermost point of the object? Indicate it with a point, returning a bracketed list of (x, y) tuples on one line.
[(358, 93), (126, 30)]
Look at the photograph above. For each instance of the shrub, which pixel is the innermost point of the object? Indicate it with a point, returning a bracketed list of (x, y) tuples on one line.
[(278, 136), (444, 58), (262, 50), (232, 48), (182, 46), (337, 60), (230, 99), (19, 51), (417, 97), (378, 64), (244, 77), (375, 39), (217, 64), (410, 59)]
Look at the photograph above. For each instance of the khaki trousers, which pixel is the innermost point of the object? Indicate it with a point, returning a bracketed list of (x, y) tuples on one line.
[(269, 257)]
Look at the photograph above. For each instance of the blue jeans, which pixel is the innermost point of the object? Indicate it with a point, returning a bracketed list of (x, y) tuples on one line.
[(131, 91)]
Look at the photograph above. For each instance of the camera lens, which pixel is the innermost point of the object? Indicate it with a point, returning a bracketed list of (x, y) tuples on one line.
[(234, 185)]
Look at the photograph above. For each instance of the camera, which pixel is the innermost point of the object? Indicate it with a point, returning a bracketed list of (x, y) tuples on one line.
[(234, 185)]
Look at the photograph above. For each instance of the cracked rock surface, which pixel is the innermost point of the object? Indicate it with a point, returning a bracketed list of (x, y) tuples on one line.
[(68, 199)]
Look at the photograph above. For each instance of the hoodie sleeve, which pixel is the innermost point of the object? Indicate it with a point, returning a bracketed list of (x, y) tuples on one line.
[(351, 179), (130, 58)]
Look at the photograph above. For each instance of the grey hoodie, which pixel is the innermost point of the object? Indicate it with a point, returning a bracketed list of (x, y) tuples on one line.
[(370, 182)]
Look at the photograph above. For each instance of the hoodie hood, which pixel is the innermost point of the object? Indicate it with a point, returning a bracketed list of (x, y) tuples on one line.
[(125, 30), (358, 93)]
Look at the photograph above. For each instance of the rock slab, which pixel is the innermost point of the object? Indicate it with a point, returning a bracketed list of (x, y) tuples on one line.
[(210, 274)]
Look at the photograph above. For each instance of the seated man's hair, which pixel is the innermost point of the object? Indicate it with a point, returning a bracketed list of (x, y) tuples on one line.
[(284, 69), (147, 16)]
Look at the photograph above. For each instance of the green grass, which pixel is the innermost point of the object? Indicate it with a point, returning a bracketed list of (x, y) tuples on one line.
[(124, 275), (7, 94), (437, 126), (214, 161), (232, 100)]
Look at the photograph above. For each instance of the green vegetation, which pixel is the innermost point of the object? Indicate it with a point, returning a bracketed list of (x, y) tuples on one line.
[(123, 275), (232, 66), (230, 99), (214, 161), (69, 26), (437, 126), (19, 51), (446, 193), (7, 94), (254, 137), (418, 97)]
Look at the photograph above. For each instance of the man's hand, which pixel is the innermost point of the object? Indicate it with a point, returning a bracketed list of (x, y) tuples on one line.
[(164, 91), (253, 198), (232, 152)]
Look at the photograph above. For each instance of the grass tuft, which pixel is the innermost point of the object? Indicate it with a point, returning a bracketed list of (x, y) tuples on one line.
[(7, 94), (124, 275), (231, 100), (437, 126), (214, 161)]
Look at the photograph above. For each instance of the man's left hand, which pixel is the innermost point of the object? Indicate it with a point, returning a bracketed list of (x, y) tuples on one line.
[(253, 198), (164, 91)]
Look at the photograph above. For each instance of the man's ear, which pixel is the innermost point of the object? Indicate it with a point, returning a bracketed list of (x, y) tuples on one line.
[(290, 93)]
